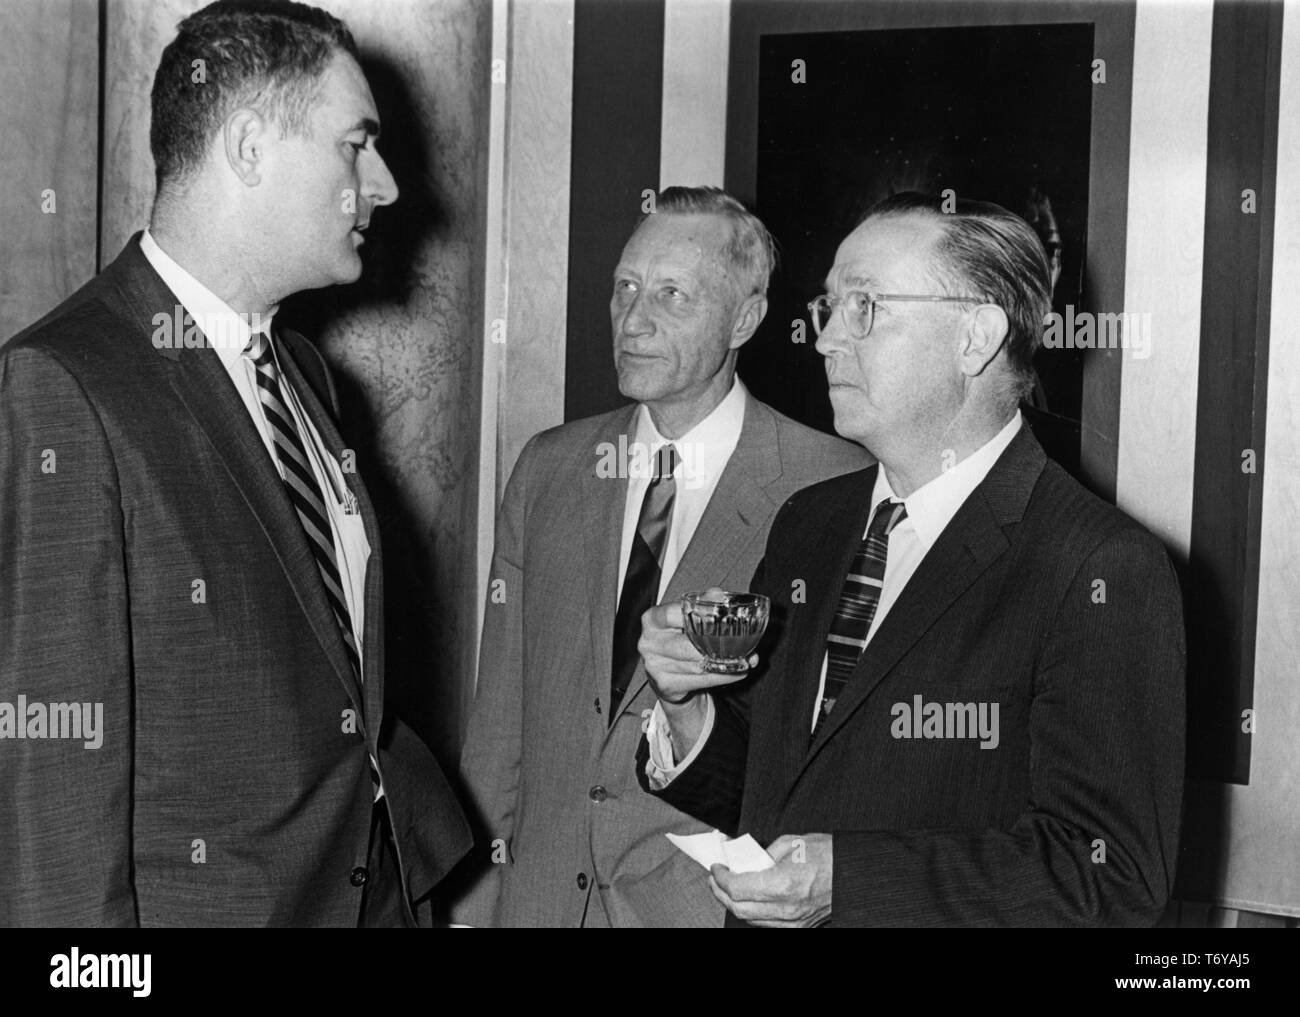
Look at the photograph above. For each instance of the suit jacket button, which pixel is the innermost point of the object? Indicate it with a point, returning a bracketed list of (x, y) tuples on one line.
[(582, 881), (598, 793), (359, 876)]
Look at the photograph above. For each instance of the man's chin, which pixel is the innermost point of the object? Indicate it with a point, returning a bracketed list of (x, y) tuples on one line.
[(346, 272), (636, 385), (850, 425)]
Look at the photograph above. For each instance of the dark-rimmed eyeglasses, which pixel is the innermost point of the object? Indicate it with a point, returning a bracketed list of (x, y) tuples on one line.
[(858, 308)]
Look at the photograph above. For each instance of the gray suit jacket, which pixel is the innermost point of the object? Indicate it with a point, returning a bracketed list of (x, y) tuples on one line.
[(231, 787), (552, 781)]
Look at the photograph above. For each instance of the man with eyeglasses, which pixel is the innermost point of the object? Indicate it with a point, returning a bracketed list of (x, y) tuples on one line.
[(973, 714)]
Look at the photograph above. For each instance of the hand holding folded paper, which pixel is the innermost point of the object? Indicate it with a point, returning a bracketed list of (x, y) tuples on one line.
[(742, 854)]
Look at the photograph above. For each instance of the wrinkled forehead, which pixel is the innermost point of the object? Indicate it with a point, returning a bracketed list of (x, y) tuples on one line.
[(886, 254), (679, 241)]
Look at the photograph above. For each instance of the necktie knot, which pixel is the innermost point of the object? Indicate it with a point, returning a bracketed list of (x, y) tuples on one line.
[(665, 463), (259, 348), (888, 514)]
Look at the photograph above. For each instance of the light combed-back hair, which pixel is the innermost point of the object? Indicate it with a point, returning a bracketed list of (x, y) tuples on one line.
[(991, 253), (751, 249), (267, 55)]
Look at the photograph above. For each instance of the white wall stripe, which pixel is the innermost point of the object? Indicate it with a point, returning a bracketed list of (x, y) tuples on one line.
[(693, 139), (1263, 869), (1166, 240), (494, 308), (526, 284)]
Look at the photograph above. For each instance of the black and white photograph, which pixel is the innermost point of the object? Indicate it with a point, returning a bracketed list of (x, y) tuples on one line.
[(651, 464)]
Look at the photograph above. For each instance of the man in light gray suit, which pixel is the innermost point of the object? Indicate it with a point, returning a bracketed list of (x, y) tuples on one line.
[(602, 518)]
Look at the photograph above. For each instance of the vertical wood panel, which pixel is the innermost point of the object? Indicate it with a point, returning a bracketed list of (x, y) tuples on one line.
[(1223, 573), (136, 32), (539, 147), (1166, 200), (49, 65), (1241, 839), (693, 132), (1265, 863), (494, 311), (617, 102), (527, 269), (1107, 231)]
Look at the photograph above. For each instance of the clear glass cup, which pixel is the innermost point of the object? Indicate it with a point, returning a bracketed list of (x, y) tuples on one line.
[(725, 627)]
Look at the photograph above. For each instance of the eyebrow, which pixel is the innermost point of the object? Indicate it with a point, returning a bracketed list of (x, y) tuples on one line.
[(367, 124), (852, 282)]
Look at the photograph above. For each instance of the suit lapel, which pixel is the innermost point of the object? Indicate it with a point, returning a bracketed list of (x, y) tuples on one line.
[(738, 507), (968, 545), (204, 388), (603, 501)]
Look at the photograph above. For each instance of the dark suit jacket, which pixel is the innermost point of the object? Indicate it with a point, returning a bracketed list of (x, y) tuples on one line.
[(548, 773), (230, 788), (1038, 597)]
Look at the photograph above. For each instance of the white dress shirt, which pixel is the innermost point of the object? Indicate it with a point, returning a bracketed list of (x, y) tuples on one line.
[(702, 455), (930, 508), (229, 332)]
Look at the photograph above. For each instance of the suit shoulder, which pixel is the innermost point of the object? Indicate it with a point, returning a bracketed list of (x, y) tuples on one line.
[(1079, 523), (82, 335), (574, 437), (75, 326), (801, 442), (836, 490)]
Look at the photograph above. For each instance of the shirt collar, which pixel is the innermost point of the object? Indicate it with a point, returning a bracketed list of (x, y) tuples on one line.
[(226, 330), (703, 450), (931, 506)]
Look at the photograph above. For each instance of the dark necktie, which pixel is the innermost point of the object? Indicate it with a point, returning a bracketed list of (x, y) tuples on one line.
[(857, 606), (644, 571), (304, 491)]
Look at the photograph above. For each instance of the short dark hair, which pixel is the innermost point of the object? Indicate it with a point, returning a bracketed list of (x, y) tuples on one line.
[(989, 252), (751, 249), (264, 54)]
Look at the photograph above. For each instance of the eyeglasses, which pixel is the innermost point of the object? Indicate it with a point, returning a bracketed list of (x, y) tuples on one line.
[(859, 308)]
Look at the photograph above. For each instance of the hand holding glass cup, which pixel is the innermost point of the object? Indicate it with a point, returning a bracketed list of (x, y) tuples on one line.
[(725, 627)]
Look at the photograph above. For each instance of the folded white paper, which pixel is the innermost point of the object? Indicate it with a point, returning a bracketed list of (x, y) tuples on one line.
[(742, 854)]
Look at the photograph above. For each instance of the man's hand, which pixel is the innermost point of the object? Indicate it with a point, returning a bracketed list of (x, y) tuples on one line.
[(793, 894), (673, 664)]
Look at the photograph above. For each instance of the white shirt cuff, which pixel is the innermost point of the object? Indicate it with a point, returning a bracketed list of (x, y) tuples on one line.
[(660, 768)]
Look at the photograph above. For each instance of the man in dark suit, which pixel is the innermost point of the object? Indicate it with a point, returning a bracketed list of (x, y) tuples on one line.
[(603, 517), (969, 709), (190, 556)]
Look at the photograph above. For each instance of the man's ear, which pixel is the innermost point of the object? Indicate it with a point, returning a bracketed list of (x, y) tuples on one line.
[(750, 314), (986, 333), (243, 138)]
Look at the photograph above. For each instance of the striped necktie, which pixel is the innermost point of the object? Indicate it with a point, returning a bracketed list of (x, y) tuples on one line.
[(304, 491), (857, 606), (644, 571)]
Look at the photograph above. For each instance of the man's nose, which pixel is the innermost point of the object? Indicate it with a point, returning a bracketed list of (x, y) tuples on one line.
[(635, 319), (378, 186), (831, 338)]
